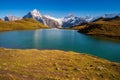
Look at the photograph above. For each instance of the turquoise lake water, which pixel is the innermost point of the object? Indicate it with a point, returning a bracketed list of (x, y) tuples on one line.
[(68, 40)]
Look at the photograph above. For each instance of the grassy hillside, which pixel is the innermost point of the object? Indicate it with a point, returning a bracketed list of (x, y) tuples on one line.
[(102, 27), (54, 65), (23, 24)]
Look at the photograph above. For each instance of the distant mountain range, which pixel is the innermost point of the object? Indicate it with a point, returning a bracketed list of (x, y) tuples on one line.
[(64, 22)]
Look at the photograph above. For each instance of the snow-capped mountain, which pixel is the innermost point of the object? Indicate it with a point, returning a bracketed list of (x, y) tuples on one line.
[(51, 22), (35, 14), (71, 20), (59, 20), (89, 18), (67, 21), (64, 22), (11, 18), (48, 21)]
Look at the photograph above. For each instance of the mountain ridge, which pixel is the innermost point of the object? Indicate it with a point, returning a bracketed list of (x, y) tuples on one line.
[(65, 22), (108, 27)]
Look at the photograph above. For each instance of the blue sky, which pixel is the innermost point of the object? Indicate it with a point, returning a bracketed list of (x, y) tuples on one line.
[(59, 8)]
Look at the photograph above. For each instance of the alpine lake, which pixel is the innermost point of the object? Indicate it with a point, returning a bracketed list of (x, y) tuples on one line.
[(58, 39)]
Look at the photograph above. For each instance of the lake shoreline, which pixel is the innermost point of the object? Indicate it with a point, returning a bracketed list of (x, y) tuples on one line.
[(23, 29), (14, 49), (103, 35)]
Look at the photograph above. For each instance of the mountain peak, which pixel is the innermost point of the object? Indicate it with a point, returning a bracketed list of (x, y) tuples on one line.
[(36, 13), (70, 16), (34, 10)]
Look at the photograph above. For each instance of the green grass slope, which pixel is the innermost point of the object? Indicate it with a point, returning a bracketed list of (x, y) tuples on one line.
[(35, 64), (24, 24), (103, 27)]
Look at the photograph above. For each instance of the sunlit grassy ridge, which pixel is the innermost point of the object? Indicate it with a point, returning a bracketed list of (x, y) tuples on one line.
[(24, 24), (54, 65), (102, 27)]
